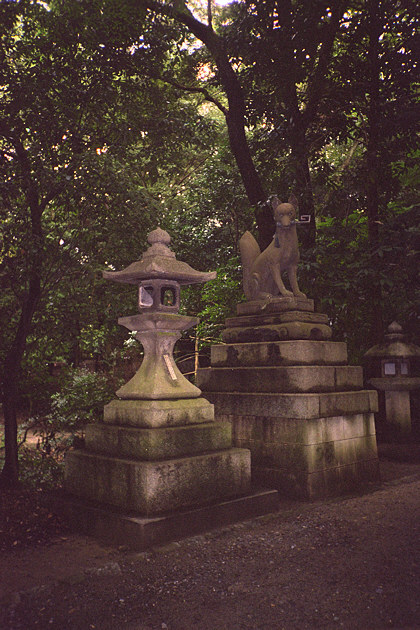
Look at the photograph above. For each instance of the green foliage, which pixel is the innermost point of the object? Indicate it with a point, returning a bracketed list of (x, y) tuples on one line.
[(39, 469), (80, 401), (219, 298), (341, 271)]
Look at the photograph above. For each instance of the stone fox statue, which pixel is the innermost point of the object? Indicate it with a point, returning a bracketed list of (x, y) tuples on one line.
[(262, 271)]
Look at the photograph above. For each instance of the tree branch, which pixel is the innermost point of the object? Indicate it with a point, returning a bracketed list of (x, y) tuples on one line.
[(196, 90), (209, 14), (317, 80)]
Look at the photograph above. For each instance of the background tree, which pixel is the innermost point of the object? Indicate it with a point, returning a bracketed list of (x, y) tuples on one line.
[(271, 59), (374, 78)]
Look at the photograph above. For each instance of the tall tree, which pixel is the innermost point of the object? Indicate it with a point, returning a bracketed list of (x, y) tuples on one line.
[(234, 111), (376, 65), (259, 46)]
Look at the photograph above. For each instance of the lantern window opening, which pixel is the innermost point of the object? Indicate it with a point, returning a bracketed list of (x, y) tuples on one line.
[(404, 368), (145, 296), (396, 367), (389, 368), (167, 296)]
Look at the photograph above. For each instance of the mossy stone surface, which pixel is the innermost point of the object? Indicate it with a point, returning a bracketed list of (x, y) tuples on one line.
[(161, 443), (299, 352), (281, 379), (159, 486)]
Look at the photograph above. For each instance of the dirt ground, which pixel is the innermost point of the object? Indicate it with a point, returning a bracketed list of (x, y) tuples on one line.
[(352, 562)]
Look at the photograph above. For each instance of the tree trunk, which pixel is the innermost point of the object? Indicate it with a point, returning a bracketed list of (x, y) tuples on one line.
[(10, 473), (302, 179), (12, 364), (235, 121), (372, 167), (250, 178)]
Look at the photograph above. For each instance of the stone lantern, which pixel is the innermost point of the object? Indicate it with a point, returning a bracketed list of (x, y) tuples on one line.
[(159, 467), (390, 368), (158, 275)]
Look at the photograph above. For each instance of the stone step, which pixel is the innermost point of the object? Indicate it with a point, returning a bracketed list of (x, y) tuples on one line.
[(158, 486), (302, 405), (288, 379), (276, 318), (159, 443), (279, 353)]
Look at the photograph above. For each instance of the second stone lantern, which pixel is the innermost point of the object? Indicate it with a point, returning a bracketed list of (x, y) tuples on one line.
[(159, 466)]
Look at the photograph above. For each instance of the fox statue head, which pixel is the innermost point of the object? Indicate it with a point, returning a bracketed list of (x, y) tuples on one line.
[(284, 213)]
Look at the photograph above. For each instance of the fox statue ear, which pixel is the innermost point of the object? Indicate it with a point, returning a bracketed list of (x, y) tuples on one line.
[(293, 200), (274, 201)]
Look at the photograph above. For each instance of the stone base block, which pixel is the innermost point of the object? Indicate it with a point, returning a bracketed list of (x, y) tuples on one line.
[(155, 444), (304, 406), (289, 379), (279, 353), (158, 486), (140, 533), (247, 321), (309, 458), (299, 431), (275, 305), (158, 413), (319, 484)]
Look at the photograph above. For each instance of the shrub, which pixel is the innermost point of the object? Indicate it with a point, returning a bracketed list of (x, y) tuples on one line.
[(80, 401)]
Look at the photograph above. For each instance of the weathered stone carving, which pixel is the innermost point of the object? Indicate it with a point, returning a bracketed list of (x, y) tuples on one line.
[(262, 271), (285, 388)]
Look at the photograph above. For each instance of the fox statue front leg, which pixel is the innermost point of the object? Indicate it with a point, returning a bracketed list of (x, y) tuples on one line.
[(292, 273), (259, 288), (276, 274)]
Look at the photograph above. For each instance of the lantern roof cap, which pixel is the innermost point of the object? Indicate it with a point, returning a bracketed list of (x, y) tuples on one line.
[(159, 262), (394, 345)]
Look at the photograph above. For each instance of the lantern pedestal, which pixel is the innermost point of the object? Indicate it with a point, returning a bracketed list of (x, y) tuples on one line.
[(293, 401), (158, 376)]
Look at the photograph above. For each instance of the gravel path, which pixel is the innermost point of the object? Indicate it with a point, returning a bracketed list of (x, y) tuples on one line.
[(347, 563)]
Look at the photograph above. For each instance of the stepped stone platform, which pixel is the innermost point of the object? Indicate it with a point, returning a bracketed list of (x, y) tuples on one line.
[(158, 470), (294, 402), (154, 469), (138, 532)]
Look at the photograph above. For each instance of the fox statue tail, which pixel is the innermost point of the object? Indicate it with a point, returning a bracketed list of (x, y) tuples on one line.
[(249, 249)]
